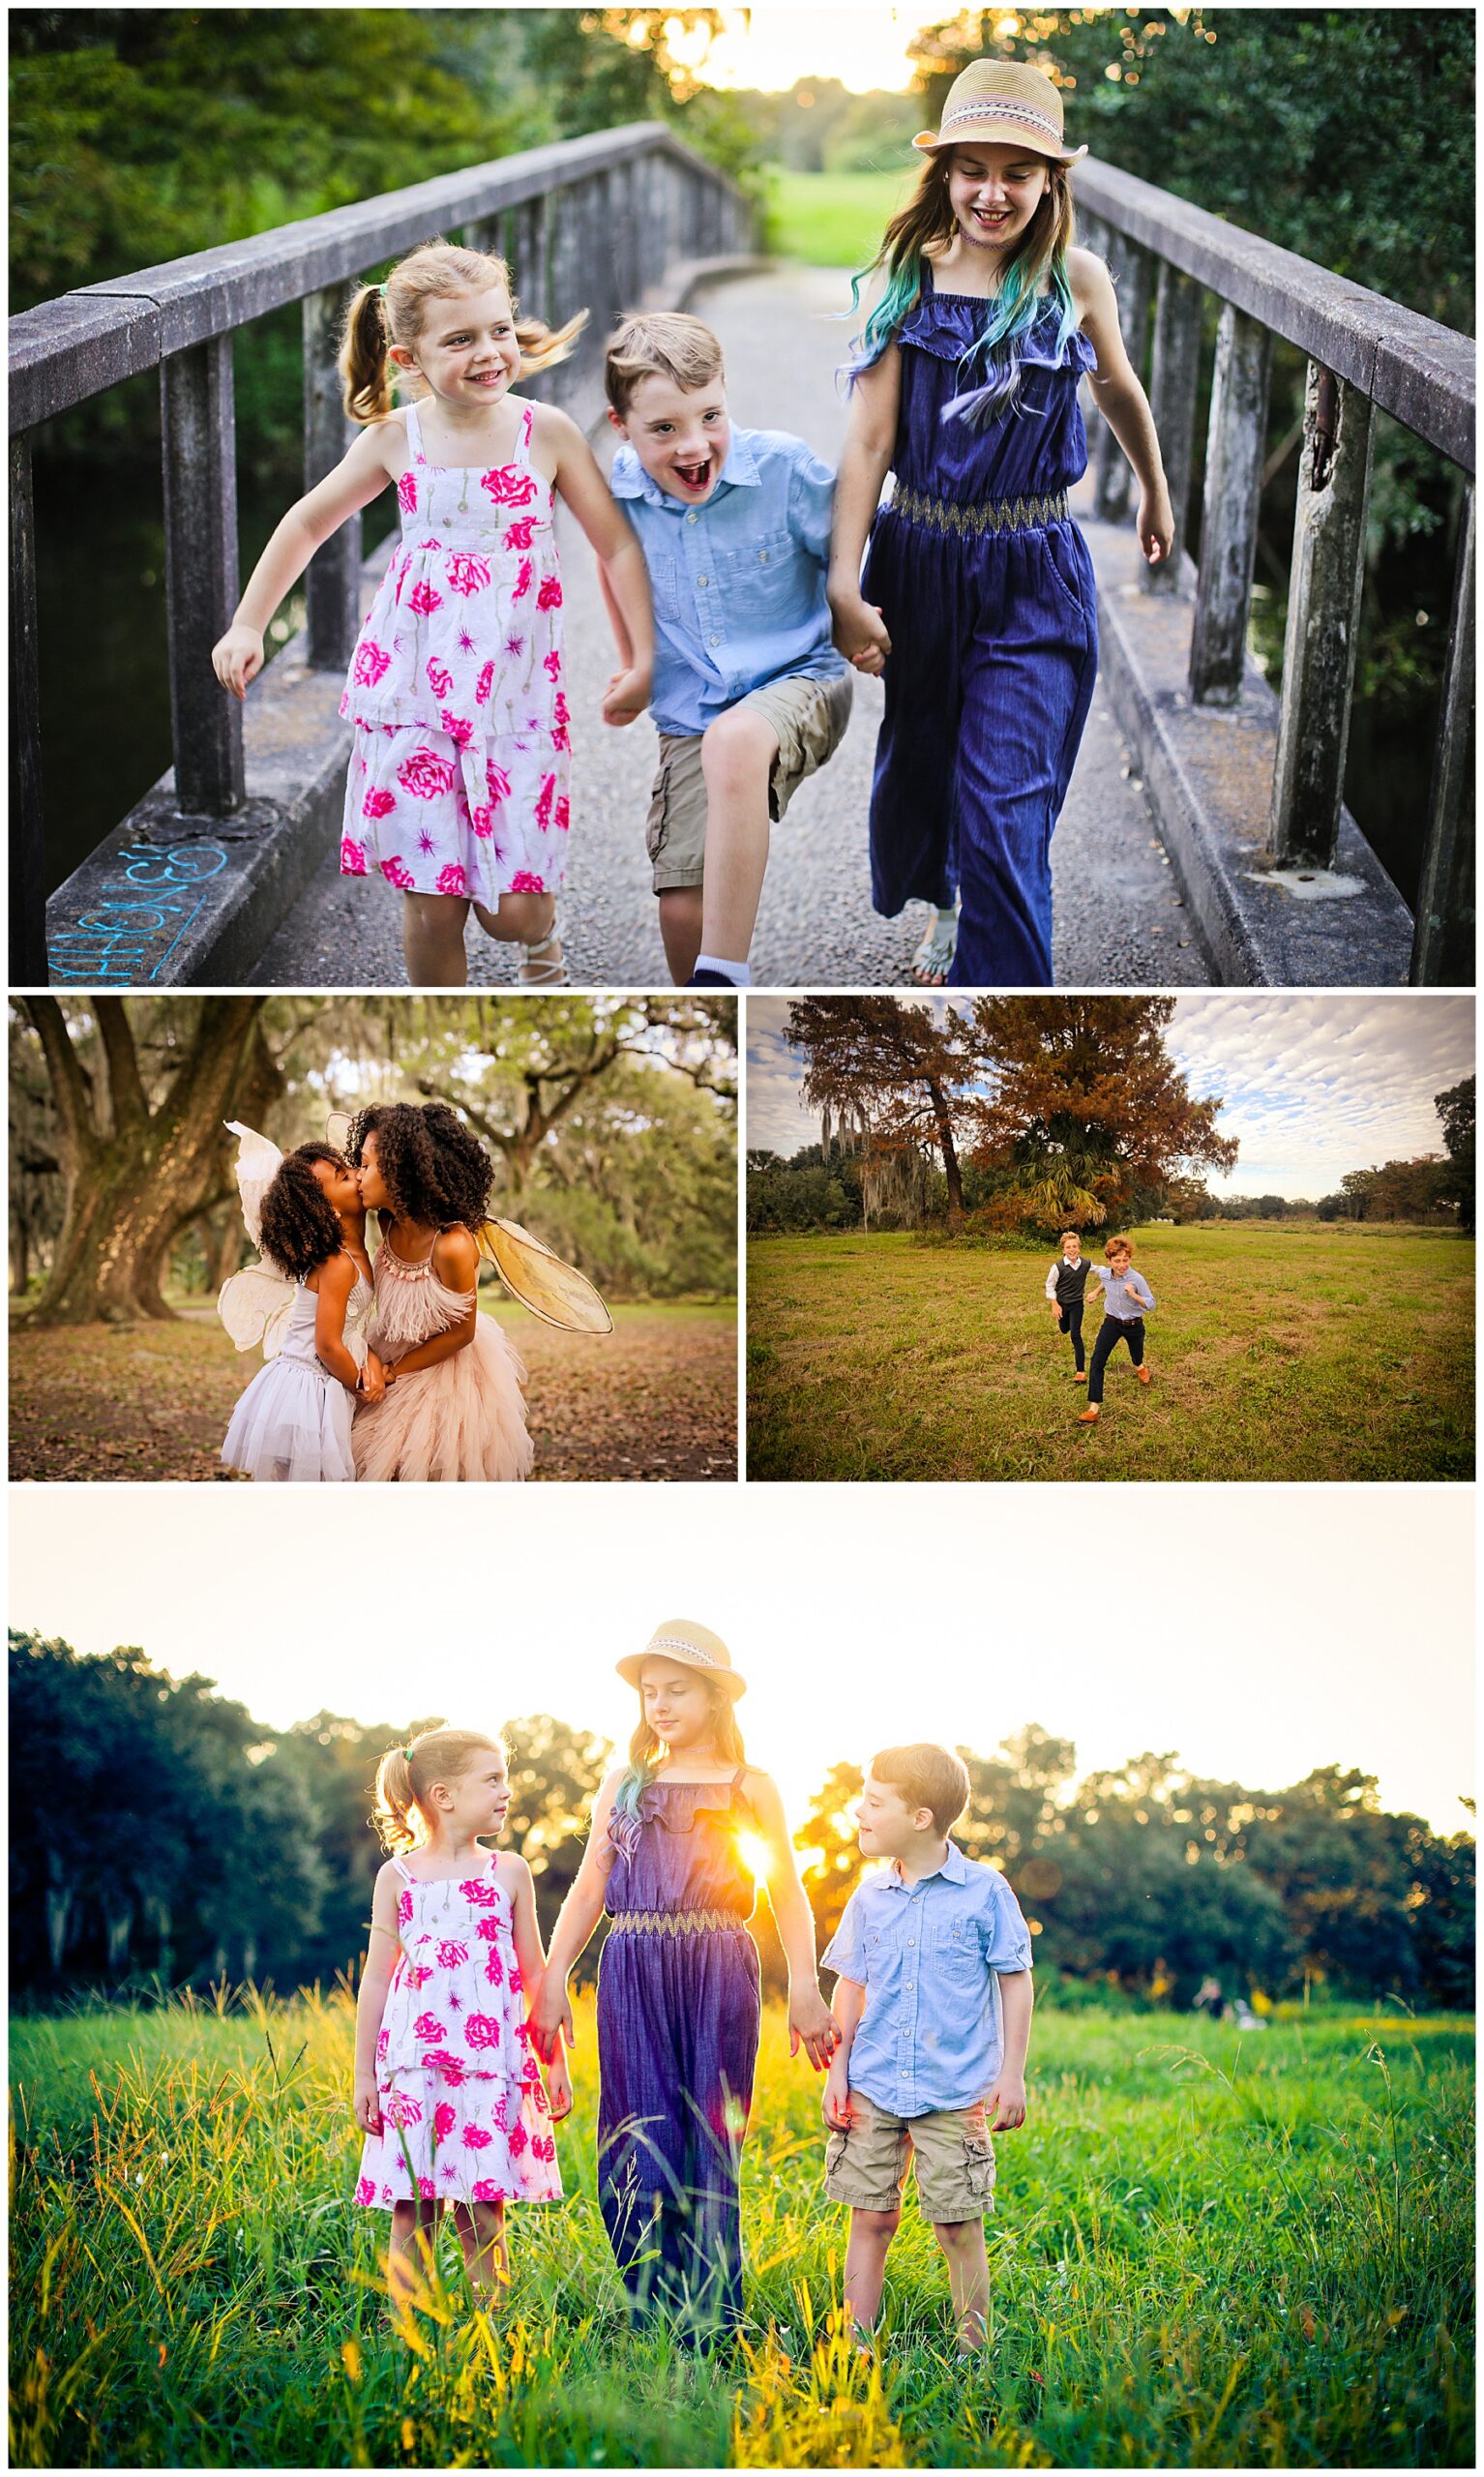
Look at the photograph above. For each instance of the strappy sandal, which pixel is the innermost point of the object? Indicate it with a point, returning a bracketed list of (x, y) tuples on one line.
[(551, 973), (930, 961)]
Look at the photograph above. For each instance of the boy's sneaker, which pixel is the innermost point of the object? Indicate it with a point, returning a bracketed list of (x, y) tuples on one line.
[(1142, 1375), (1084, 1417), (709, 980), (1079, 1376)]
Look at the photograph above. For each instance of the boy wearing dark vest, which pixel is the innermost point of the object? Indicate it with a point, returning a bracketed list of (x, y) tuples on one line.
[(1065, 1284)]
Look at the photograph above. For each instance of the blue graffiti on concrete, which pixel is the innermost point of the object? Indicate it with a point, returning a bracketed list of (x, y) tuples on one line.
[(135, 920)]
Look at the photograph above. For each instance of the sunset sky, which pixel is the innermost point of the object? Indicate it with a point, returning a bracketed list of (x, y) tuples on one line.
[(1312, 1086), (771, 47), (1257, 1632)]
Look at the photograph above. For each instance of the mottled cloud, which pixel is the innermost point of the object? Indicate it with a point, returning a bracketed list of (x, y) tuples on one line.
[(1311, 1086)]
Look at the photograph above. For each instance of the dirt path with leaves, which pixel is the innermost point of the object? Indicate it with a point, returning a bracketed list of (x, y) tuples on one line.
[(655, 1400)]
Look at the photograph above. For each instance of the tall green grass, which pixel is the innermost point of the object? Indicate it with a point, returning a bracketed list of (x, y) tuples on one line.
[(1209, 2251), (1276, 1353)]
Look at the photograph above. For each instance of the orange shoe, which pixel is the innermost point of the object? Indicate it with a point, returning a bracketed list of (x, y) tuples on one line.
[(1142, 1375), (1085, 1418), (1079, 1376)]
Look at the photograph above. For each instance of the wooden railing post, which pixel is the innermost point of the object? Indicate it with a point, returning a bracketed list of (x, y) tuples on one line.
[(1236, 444), (201, 553), (1443, 947), (28, 839), (1173, 380), (1318, 649), (1132, 272), (332, 577)]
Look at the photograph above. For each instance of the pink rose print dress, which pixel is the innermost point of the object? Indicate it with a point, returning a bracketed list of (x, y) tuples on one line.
[(461, 1418), (459, 779), (464, 2115)]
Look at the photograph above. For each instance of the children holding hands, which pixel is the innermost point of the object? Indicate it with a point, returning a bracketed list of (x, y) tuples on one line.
[(933, 2002)]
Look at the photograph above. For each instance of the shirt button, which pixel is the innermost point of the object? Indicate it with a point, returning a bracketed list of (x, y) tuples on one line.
[(689, 516), (701, 580), (910, 1941), (716, 640)]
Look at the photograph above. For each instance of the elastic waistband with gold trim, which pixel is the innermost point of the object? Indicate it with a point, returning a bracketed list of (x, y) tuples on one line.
[(675, 1922), (979, 517)]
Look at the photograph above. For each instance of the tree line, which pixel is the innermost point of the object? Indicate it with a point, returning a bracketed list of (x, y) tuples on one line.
[(158, 1832), (611, 1123), (1036, 1114)]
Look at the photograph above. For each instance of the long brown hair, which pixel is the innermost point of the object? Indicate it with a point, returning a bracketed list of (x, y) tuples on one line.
[(409, 1774), (382, 314)]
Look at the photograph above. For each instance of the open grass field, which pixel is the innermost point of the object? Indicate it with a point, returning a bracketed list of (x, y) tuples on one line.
[(833, 218), (1277, 1353), (1210, 2251), (655, 1399)]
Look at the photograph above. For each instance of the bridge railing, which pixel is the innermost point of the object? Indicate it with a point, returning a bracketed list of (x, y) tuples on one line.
[(1365, 354), (593, 223)]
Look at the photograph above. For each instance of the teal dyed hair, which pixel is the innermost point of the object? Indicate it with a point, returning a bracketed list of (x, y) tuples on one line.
[(990, 372)]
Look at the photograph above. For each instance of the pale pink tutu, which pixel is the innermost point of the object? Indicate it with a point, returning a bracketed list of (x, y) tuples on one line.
[(463, 1419)]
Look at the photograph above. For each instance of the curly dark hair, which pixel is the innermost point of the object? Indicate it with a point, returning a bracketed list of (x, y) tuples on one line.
[(435, 1170), (301, 1229)]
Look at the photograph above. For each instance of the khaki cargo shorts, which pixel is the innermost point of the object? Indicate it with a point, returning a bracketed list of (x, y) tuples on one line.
[(866, 2166), (810, 717)]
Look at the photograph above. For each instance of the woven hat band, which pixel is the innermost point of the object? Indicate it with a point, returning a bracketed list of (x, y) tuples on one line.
[(691, 1651), (993, 107)]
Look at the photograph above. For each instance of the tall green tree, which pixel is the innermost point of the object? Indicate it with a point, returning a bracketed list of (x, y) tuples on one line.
[(1456, 1109), (901, 1068)]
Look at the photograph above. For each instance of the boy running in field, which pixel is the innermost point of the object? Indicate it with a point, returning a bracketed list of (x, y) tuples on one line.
[(932, 2003), (750, 695), (1125, 1296), (1065, 1284)]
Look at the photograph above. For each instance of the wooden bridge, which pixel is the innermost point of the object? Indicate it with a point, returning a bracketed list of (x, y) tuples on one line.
[(1246, 789)]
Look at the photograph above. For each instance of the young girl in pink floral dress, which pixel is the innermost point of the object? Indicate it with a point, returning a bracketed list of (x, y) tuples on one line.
[(457, 790), (447, 2091)]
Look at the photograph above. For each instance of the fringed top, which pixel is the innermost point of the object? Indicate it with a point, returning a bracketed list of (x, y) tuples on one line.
[(952, 442), (679, 1850), (412, 1304)]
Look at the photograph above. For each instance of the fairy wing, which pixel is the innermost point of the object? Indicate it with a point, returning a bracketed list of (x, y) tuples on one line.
[(258, 1163), (555, 1290), (256, 1306)]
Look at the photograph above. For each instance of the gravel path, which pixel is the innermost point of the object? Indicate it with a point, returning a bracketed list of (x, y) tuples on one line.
[(1117, 920)]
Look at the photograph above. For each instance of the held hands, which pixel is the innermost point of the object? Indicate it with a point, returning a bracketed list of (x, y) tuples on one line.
[(860, 632), (558, 2089), (1156, 525), (627, 695), (812, 2025), (237, 658), (1005, 2105), (838, 2112), (374, 1380), (367, 2103), (549, 2023)]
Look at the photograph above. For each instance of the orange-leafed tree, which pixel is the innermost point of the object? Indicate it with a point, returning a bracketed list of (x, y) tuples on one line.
[(1086, 1117), (902, 1068)]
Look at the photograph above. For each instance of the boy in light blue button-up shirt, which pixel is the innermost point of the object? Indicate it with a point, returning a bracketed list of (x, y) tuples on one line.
[(932, 2003), (750, 695)]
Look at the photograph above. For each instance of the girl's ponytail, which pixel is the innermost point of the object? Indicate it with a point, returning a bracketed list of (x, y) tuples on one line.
[(395, 1800), (407, 1773), (543, 347), (364, 367)]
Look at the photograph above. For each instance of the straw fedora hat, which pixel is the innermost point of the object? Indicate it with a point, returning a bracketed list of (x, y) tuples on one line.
[(1002, 102), (694, 1646)]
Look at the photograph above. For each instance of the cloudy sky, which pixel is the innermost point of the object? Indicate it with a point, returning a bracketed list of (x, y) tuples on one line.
[(1257, 1632), (1312, 1086)]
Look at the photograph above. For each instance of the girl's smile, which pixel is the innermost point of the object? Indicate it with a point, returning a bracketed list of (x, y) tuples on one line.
[(467, 350), (993, 193)]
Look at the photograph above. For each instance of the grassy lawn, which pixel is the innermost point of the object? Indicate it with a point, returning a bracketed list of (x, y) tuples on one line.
[(655, 1399), (1276, 1353), (834, 219), (1208, 2252)]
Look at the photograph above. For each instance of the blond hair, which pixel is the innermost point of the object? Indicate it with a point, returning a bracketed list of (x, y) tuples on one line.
[(383, 314), (926, 1776), (665, 345), (407, 1775)]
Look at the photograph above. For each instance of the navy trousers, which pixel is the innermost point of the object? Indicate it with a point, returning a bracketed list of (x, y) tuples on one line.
[(1112, 1330)]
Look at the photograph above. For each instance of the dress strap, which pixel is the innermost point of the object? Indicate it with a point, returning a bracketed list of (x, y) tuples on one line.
[(400, 1865), (415, 436)]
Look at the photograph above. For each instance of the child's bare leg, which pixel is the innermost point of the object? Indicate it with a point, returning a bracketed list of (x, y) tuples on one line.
[(409, 2253), (968, 2278), (736, 757), (680, 910), (870, 2241), (527, 919), (481, 2230), (433, 941)]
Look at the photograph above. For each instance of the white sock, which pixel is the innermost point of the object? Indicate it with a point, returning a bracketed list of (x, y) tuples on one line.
[(739, 975)]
